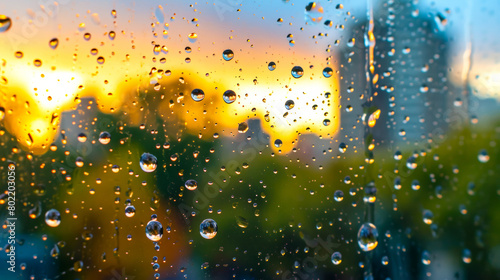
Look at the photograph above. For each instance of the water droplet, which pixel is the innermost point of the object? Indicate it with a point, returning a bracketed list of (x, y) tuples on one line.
[(148, 162), (242, 127), (37, 62), (192, 37), (227, 55), (297, 72), (336, 258), (54, 43), (100, 60), (313, 12), (5, 23), (130, 211), (52, 218), (428, 216), (328, 24), (104, 138), (483, 156), (229, 96), (326, 122), (327, 72), (154, 230), (398, 155), (397, 183), (242, 222), (466, 256), (156, 266), (79, 162), (112, 35), (411, 163), (54, 252), (271, 66), (426, 258), (338, 195), (342, 147), (289, 104), (197, 95), (78, 266), (385, 260), (208, 229), (367, 237), (191, 184), (278, 143), (415, 185), (351, 42), (82, 137)]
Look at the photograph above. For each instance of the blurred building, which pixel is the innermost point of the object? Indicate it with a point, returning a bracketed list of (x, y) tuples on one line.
[(411, 63)]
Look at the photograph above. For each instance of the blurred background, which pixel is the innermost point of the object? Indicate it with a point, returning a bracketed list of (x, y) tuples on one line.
[(315, 118)]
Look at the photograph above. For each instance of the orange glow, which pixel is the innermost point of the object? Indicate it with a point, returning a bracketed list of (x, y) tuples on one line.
[(118, 71)]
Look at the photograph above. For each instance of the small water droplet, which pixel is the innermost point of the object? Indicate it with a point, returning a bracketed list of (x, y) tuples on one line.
[(297, 72), (289, 104), (54, 43), (271, 66), (227, 55)]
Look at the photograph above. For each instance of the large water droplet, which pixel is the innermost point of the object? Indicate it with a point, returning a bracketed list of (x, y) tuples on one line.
[(483, 156), (428, 216), (52, 218), (278, 143), (197, 95), (191, 184), (148, 162), (336, 258), (229, 96), (104, 137), (426, 258), (54, 43), (242, 222), (227, 55), (297, 72), (338, 195), (271, 66), (466, 256), (154, 230), (367, 237), (242, 127), (327, 72), (313, 12), (342, 147), (129, 211), (5, 23), (208, 229)]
